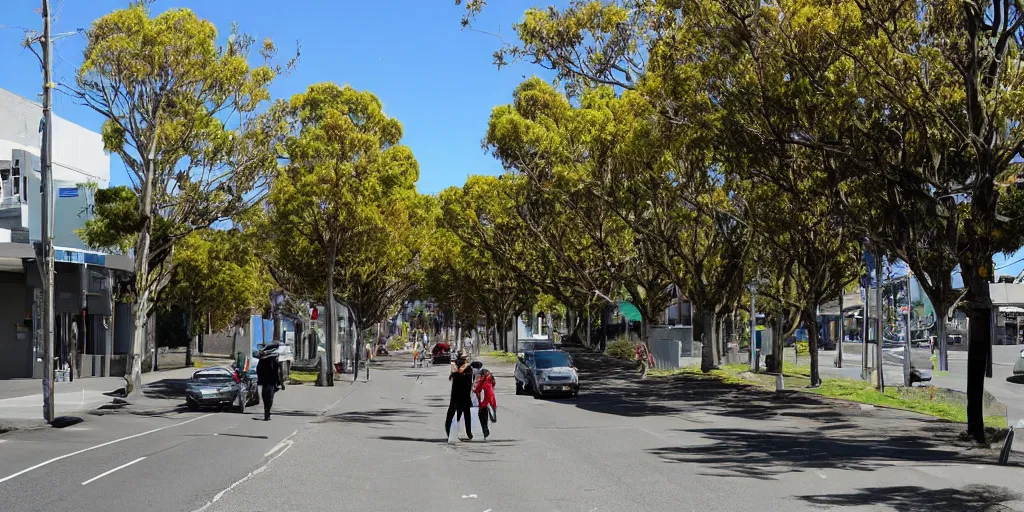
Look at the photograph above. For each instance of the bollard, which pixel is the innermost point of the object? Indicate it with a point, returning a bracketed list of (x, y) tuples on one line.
[(779, 384)]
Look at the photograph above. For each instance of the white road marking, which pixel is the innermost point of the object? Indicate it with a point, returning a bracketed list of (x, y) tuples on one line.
[(101, 475), (91, 448), (488, 510), (280, 445), (425, 457), (469, 496), (288, 444)]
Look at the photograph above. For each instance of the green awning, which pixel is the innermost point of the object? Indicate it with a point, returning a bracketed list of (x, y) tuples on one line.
[(629, 311)]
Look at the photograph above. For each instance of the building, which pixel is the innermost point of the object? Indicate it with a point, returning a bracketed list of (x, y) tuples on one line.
[(84, 278)]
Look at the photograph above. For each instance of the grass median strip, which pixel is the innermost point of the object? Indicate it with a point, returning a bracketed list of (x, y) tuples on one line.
[(928, 400), (501, 355)]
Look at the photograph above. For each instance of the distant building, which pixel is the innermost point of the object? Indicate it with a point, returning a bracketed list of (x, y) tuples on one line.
[(83, 277)]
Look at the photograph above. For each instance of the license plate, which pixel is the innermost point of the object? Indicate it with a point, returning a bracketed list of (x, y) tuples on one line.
[(566, 388), (208, 392)]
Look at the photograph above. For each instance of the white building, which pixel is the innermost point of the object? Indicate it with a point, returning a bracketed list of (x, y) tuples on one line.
[(83, 277)]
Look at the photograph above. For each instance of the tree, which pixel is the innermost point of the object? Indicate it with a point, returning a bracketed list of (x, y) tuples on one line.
[(496, 258), (329, 206), (217, 278), (184, 115)]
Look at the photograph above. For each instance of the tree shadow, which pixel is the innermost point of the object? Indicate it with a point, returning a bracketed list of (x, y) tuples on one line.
[(431, 440), (386, 416), (920, 499), (765, 454), (610, 387), (170, 389)]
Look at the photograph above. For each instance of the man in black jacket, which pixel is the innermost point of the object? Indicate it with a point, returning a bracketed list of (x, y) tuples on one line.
[(267, 379), (462, 389)]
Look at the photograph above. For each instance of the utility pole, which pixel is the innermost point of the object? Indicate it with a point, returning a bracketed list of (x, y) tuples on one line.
[(753, 329), (879, 362), (908, 343), (842, 330), (46, 161), (865, 330)]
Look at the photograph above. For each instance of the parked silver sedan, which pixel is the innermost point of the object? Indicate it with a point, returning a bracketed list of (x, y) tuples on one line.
[(217, 387), (1018, 367), (546, 373)]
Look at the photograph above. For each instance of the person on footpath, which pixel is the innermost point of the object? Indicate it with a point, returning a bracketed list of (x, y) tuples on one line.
[(462, 390), (484, 390), (417, 352), (267, 379)]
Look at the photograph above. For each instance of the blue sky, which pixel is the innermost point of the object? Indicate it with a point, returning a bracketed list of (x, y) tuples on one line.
[(435, 78)]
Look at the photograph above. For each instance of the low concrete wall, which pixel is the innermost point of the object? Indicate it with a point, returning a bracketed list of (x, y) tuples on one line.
[(682, 334)]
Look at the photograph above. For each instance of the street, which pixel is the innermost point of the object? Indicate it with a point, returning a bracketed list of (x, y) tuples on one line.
[(624, 444)]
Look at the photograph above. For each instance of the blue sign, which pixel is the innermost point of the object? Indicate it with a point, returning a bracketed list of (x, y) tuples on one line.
[(79, 257), (67, 192)]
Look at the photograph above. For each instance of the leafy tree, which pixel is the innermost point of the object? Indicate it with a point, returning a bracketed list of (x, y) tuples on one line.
[(184, 115), (497, 262), (346, 178), (217, 278)]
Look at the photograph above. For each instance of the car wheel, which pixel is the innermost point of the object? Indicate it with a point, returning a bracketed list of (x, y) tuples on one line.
[(519, 388), (192, 406)]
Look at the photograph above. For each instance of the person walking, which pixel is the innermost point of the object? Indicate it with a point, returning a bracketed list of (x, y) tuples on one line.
[(484, 390), (267, 379), (417, 352), (461, 401)]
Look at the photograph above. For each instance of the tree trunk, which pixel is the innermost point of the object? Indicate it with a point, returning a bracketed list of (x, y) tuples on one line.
[(326, 377), (133, 381), (707, 351), (940, 340), (191, 339), (722, 340), (978, 351), (778, 345), (810, 317)]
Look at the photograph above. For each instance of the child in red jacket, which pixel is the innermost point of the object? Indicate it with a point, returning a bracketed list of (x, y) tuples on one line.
[(484, 390)]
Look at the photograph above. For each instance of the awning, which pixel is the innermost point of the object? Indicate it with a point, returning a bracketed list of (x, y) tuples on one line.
[(629, 311)]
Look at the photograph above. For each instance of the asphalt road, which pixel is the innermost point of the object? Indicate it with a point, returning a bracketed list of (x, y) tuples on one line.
[(623, 445)]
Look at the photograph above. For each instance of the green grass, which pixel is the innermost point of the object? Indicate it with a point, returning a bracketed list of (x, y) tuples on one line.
[(501, 355), (303, 377), (924, 400)]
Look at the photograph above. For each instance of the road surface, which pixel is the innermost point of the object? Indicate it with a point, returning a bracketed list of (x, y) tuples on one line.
[(623, 445)]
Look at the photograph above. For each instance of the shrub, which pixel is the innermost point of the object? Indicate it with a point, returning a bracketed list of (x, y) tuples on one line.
[(396, 344), (620, 349), (801, 348)]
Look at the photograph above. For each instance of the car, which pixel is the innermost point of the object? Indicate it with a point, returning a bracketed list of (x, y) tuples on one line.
[(1018, 367), (546, 373), (219, 387), (525, 346), (441, 353)]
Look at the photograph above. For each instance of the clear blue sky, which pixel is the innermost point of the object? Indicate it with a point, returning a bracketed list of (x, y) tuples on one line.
[(435, 78), (431, 75)]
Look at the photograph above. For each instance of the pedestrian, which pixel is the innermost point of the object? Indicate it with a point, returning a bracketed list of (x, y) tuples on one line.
[(267, 379), (462, 388), (484, 390), (417, 351)]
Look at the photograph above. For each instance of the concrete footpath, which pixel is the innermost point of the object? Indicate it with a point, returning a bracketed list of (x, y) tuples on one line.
[(21, 400)]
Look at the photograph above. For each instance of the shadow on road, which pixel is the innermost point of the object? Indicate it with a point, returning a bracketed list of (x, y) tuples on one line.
[(376, 417), (765, 454), (1015, 379), (166, 389), (919, 499), (612, 387)]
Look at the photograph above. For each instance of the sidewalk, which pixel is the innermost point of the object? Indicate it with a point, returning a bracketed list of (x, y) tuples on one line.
[(21, 400)]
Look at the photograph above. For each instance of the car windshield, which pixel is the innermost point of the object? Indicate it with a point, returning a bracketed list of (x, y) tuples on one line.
[(212, 378), (552, 360)]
